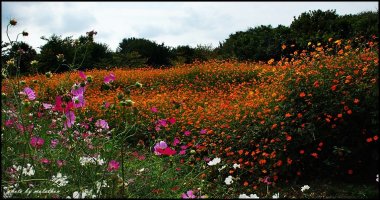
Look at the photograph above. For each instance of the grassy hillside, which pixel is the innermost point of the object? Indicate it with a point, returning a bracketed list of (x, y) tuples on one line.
[(275, 126)]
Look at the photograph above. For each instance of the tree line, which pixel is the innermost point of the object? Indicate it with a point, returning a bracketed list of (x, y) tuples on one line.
[(255, 44)]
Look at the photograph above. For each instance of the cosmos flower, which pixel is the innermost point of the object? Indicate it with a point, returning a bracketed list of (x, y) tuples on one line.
[(214, 161), (188, 195), (30, 93), (109, 79), (305, 187), (70, 119), (113, 165), (228, 180), (101, 123), (37, 142), (251, 196)]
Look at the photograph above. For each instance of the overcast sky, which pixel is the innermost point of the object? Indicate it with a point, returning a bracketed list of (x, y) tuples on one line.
[(171, 23)]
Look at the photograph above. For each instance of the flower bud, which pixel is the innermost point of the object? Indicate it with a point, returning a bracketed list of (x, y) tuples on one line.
[(48, 74), (24, 33), (34, 63), (66, 98), (11, 62), (13, 22), (139, 85), (120, 96), (60, 57), (89, 78)]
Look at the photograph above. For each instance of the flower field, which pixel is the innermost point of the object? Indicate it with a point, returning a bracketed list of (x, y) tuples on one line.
[(216, 129)]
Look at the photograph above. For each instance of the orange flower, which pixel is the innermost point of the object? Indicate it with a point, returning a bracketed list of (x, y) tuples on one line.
[(274, 126), (302, 94), (279, 163), (288, 115), (315, 155), (349, 112), (240, 151), (288, 137), (262, 161), (369, 140), (333, 88), (246, 183)]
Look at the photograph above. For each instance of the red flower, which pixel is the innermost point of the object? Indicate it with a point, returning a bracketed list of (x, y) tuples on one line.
[(333, 88), (302, 94), (302, 151), (375, 137), (167, 151)]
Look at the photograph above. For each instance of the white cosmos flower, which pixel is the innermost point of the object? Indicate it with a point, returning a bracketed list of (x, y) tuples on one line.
[(228, 180), (28, 171), (251, 196), (236, 166), (59, 180), (276, 196), (305, 187), (214, 161)]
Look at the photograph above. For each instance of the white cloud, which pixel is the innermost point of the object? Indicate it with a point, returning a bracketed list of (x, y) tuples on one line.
[(172, 23)]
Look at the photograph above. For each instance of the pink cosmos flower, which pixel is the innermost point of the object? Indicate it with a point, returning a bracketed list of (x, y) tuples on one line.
[(188, 195), (47, 106), (176, 141), (8, 122), (109, 78), (70, 119), (182, 152), (76, 89), (37, 142), (101, 123), (172, 120), (113, 165), (203, 131), (44, 161), (265, 180), (82, 75), (78, 101), (53, 143), (187, 133), (162, 122), (60, 163), (30, 93), (154, 109), (161, 145)]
